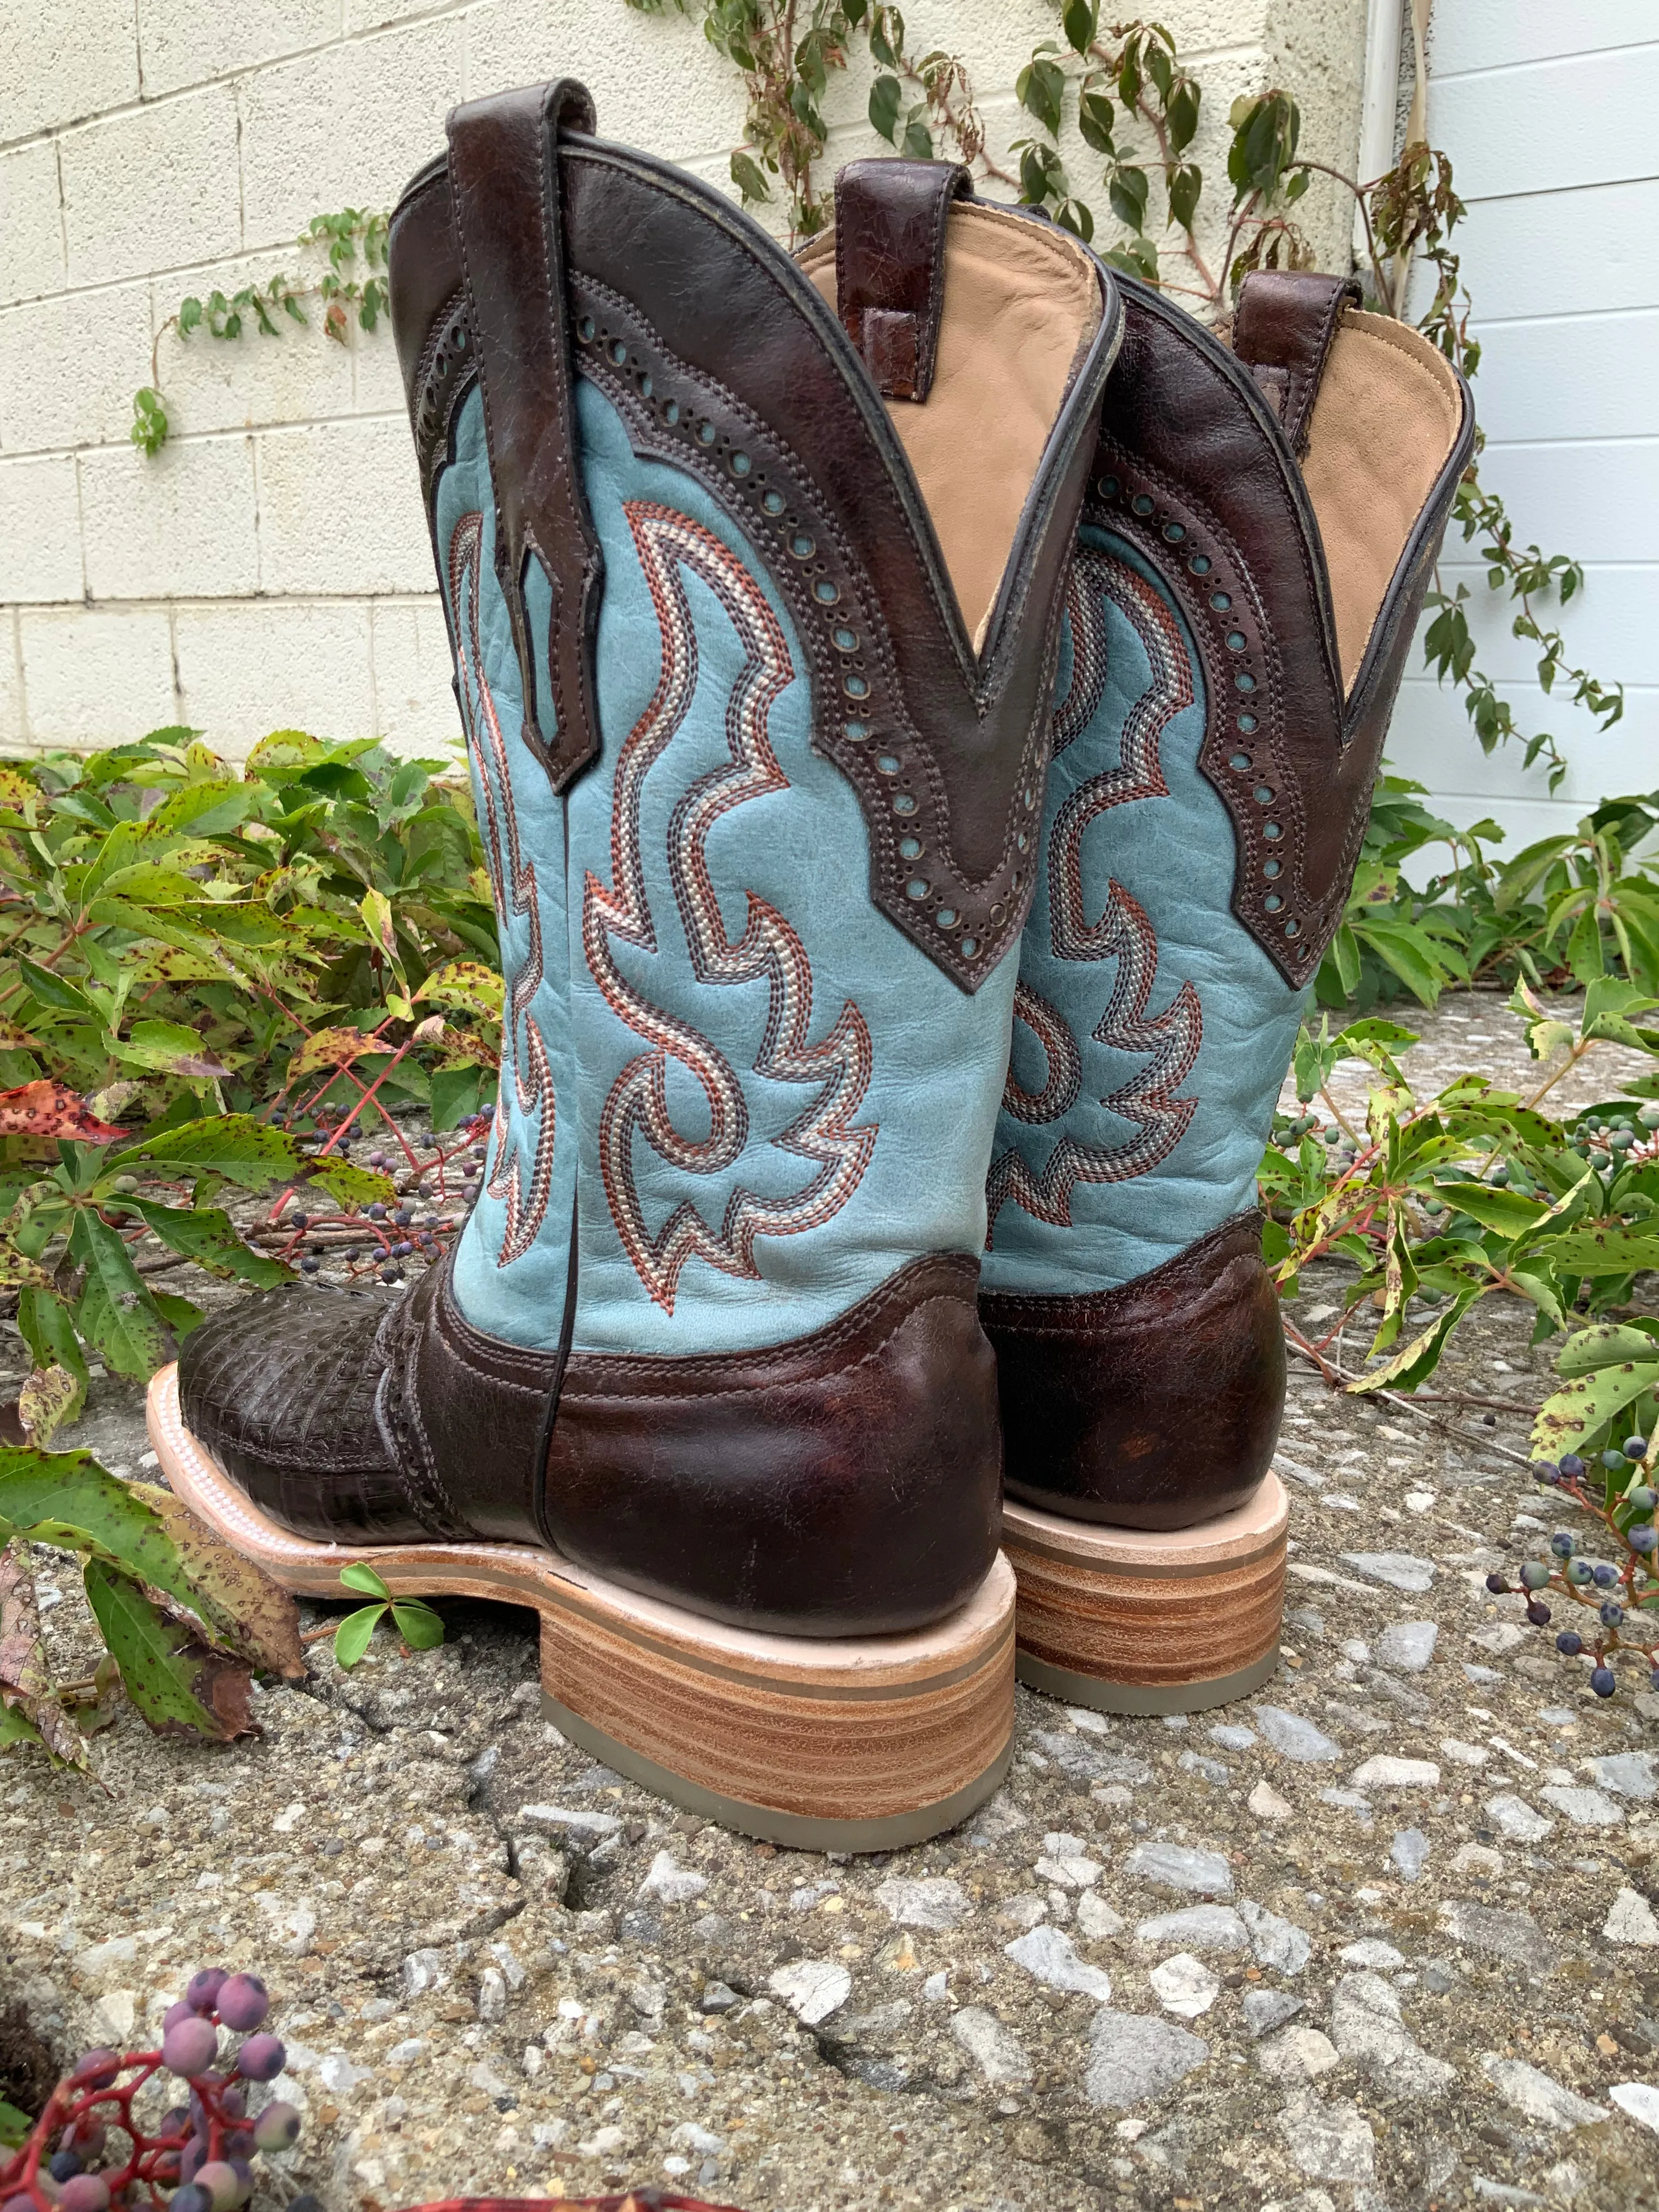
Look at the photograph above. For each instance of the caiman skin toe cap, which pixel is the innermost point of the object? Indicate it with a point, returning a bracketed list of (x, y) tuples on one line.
[(280, 1389)]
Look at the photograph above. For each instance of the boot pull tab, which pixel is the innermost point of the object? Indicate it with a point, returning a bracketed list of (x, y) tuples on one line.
[(1282, 333), (505, 194), (890, 224)]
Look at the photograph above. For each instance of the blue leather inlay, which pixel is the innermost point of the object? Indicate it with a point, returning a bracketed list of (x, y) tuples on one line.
[(754, 1068), (1137, 986)]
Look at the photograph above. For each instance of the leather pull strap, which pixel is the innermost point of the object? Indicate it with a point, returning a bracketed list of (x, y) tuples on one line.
[(1282, 333), (504, 189), (891, 218)]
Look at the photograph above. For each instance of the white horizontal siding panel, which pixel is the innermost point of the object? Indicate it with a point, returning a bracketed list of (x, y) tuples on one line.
[(1611, 625), (1590, 376), (1469, 35), (1432, 739), (1585, 120), (1557, 254), (1594, 502)]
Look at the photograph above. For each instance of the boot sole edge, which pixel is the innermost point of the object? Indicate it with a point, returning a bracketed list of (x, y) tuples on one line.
[(1132, 1620), (857, 1744)]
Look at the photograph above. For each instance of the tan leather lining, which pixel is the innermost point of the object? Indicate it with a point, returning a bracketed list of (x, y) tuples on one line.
[(1021, 305), (1385, 418)]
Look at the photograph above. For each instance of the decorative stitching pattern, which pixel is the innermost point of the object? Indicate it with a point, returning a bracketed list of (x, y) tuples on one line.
[(1171, 1040), (513, 880), (862, 720), (668, 544), (1244, 750)]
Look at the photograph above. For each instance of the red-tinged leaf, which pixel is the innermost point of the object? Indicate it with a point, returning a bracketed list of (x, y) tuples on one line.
[(52, 1109)]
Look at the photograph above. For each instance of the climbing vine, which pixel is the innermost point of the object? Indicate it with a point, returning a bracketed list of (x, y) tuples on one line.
[(1137, 107), (345, 240)]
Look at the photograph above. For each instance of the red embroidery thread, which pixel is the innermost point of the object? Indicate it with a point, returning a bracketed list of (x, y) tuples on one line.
[(515, 889), (668, 545), (1124, 931)]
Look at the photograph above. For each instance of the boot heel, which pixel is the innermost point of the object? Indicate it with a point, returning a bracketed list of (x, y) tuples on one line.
[(1136, 1620), (823, 1744)]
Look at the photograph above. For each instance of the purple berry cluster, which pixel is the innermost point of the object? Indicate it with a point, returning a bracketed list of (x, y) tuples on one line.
[(1612, 1593), (89, 2153)]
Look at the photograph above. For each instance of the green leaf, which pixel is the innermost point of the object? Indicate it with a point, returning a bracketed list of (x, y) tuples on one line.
[(886, 97), (1413, 1366), (52, 990), (233, 1145), (1493, 1208), (1040, 89), (208, 1236), (1095, 117), (1080, 20), (1606, 1344), (351, 1638), (1186, 183), (352, 1186), (15, 2127), (1569, 1416), (456, 1092), (1180, 115), (170, 1046), (1127, 192), (420, 1627), (360, 1576), (746, 176), (114, 1311), (1613, 1251), (157, 1657)]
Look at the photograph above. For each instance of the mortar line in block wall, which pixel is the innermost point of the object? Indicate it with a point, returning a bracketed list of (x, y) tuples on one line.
[(278, 426), (146, 102)]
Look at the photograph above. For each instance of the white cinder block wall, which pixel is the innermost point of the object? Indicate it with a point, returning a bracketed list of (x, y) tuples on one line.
[(270, 568)]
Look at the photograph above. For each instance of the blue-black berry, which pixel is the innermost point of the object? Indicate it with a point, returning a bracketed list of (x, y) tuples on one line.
[(1569, 1642), (1497, 1585), (1641, 1537), (1561, 1544), (1603, 1575), (309, 1266), (1572, 1466), (1538, 1613), (1636, 1447), (1612, 1614), (1602, 1681)]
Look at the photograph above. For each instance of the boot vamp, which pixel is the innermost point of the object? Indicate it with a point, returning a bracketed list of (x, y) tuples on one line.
[(281, 1390)]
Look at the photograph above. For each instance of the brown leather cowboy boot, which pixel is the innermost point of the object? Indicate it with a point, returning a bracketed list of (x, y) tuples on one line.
[(1259, 532), (755, 633)]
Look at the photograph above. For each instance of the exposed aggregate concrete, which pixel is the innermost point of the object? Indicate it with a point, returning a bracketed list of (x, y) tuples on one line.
[(1384, 1935)]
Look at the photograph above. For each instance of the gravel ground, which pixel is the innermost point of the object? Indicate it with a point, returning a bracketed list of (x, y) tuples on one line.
[(1385, 1935)]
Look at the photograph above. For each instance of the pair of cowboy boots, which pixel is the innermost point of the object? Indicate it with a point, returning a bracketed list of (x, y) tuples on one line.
[(771, 585)]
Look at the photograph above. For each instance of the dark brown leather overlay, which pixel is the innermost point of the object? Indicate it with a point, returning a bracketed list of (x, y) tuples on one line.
[(1153, 1405), (723, 357), (844, 1484), (1194, 470), (1282, 332), (890, 220), (504, 188)]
